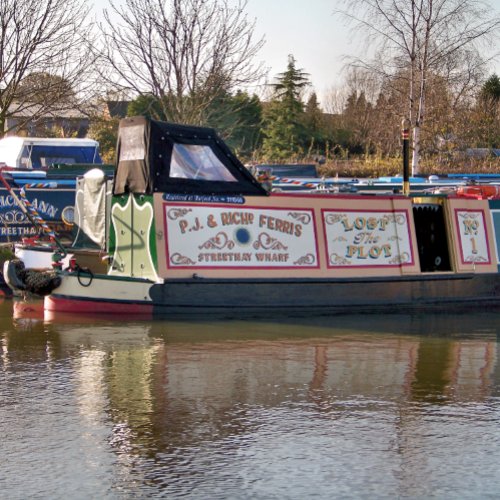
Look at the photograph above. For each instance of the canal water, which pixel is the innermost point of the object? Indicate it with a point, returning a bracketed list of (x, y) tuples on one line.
[(362, 406)]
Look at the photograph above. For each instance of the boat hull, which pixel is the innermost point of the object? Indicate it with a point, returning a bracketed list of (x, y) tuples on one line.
[(111, 295)]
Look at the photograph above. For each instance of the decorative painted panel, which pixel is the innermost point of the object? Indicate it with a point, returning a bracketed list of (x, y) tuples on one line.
[(134, 251), (473, 238), (367, 238), (239, 237)]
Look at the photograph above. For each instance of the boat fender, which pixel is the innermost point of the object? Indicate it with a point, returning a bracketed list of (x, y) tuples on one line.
[(30, 280), (13, 273), (41, 282), (489, 191)]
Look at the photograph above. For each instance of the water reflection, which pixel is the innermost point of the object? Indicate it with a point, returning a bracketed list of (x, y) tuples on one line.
[(212, 409)]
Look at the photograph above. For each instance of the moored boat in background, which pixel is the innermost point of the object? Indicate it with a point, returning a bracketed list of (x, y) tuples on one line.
[(44, 171), (39, 175)]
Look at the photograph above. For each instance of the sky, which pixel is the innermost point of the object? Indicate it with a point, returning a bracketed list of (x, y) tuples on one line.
[(310, 31), (317, 37)]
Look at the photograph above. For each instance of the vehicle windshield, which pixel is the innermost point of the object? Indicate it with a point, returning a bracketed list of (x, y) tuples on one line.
[(44, 156)]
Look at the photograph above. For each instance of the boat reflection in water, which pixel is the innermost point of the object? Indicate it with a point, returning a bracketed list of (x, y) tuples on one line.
[(264, 409)]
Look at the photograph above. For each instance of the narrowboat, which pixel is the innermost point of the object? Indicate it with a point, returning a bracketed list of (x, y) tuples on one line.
[(192, 231)]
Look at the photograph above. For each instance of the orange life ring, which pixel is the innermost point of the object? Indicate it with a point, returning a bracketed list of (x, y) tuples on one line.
[(485, 191)]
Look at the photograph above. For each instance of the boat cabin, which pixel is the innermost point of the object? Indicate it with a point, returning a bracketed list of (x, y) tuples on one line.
[(43, 153)]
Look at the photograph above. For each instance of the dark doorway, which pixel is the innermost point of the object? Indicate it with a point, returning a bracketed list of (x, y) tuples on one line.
[(431, 238)]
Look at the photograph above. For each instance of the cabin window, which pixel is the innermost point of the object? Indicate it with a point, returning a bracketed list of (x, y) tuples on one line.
[(132, 143), (44, 156), (191, 161)]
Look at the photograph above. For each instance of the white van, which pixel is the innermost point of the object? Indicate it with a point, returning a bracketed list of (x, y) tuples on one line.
[(42, 153)]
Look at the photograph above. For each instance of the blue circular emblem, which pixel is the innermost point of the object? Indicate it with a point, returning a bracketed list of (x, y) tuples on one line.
[(242, 236)]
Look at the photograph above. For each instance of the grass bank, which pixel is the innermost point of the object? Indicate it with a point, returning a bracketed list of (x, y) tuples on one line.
[(377, 167)]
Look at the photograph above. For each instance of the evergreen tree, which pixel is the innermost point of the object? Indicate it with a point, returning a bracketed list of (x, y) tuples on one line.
[(246, 135), (357, 114), (488, 112), (281, 141), (105, 132), (314, 125), (291, 84), (285, 134), (146, 105), (491, 89), (313, 115)]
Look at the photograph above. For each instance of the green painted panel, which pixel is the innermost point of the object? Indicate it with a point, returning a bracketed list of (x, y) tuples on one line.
[(121, 236), (132, 237), (143, 265)]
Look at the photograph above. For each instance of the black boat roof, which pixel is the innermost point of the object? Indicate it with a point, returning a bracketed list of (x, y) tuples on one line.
[(154, 156)]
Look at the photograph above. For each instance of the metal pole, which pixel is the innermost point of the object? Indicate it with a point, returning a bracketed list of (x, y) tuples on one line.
[(405, 135)]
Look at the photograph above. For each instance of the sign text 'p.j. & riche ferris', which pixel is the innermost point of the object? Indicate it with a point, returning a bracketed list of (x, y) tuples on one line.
[(220, 236)]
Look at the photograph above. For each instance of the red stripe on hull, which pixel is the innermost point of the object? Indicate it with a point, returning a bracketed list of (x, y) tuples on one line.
[(82, 306)]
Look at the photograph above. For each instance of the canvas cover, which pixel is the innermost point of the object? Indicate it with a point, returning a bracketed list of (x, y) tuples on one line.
[(154, 156), (91, 210)]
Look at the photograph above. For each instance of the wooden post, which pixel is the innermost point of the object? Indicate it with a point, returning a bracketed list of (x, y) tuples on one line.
[(405, 135)]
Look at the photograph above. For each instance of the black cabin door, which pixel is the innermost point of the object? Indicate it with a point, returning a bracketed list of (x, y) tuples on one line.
[(431, 238)]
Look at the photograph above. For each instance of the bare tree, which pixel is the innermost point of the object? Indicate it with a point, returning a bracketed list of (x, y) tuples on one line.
[(418, 38), (44, 57), (335, 99), (187, 54)]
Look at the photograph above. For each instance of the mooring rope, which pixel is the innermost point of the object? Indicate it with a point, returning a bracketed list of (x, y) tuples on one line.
[(36, 216)]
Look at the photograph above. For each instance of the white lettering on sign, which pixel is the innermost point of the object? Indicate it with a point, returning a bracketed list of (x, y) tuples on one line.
[(474, 247), (230, 237), (11, 213), (367, 238), (18, 231)]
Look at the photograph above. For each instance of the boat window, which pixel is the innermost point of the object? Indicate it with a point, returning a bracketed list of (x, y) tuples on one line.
[(190, 161), (132, 143), (44, 156)]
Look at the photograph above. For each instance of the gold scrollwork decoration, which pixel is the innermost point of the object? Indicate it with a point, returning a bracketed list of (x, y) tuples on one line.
[(472, 259), (338, 260), (398, 219), (400, 259), (331, 219), (220, 241), (303, 217), (181, 260), (339, 238), (469, 215), (305, 260), (268, 243)]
